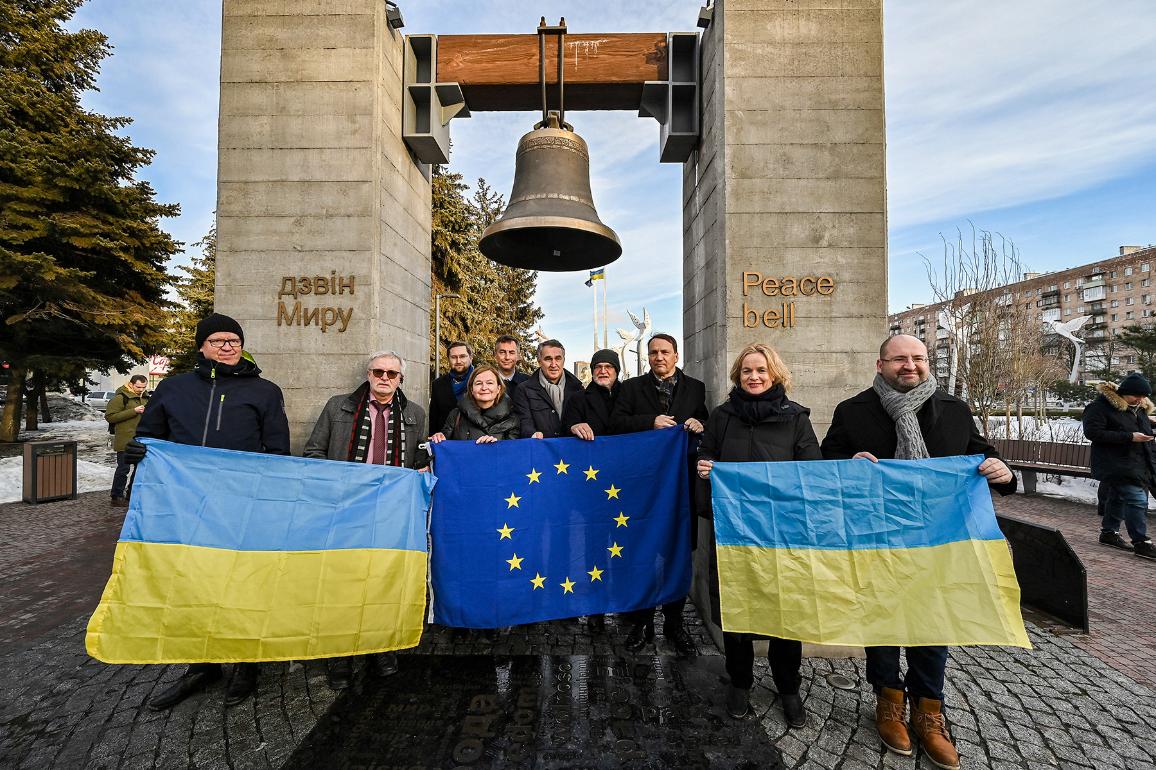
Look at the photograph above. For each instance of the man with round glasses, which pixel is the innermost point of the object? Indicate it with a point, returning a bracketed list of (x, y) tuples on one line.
[(222, 403), (374, 424)]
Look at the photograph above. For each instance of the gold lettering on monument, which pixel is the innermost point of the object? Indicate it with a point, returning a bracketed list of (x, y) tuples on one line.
[(786, 288), (323, 317)]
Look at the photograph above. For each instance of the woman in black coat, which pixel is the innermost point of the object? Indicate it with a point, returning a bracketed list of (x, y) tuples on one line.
[(484, 414), (758, 423)]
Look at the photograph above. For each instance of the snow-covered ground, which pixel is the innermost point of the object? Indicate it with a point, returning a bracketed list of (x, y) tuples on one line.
[(81, 423), (1063, 429)]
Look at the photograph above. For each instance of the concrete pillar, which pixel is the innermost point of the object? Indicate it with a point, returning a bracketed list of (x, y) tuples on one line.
[(789, 182), (314, 181)]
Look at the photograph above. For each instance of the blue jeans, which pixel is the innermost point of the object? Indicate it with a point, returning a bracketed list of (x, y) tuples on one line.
[(120, 476), (1127, 503), (925, 666)]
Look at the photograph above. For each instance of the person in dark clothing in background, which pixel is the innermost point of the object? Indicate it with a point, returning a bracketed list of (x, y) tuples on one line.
[(223, 403), (664, 398), (451, 386), (507, 355), (543, 402), (1119, 425)]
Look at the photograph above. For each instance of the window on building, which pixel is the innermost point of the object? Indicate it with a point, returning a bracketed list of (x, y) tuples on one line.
[(1127, 271), (1112, 274), (1080, 310), (1130, 301), (1144, 267), (1114, 287), (1067, 298), (1128, 316), (1147, 299), (1128, 286), (1146, 282), (1067, 284), (1068, 311), (1115, 317), (1115, 303)]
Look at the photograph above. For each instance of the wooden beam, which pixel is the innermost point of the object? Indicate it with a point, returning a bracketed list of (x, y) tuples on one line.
[(602, 72)]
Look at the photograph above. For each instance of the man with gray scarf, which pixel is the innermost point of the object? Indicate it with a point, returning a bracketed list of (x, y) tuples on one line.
[(545, 401), (905, 415)]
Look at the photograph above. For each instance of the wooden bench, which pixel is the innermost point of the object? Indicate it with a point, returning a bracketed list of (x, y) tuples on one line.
[(1035, 457)]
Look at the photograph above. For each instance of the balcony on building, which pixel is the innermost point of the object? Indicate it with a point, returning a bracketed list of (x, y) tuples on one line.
[(1091, 293)]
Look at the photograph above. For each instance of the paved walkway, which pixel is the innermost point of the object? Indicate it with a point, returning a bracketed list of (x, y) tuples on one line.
[(547, 696)]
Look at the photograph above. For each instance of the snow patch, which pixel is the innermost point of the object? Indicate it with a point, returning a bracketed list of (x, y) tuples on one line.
[(90, 477)]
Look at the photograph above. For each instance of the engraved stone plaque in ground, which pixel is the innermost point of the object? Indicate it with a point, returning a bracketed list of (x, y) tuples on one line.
[(538, 712)]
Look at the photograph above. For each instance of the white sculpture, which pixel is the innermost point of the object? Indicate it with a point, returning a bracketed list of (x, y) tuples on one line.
[(1067, 330), (627, 337), (643, 327)]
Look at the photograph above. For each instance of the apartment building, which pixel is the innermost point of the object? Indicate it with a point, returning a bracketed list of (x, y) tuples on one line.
[(1114, 293)]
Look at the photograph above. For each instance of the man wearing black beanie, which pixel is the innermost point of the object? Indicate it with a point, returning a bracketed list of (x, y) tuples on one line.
[(591, 414), (223, 403), (1120, 429)]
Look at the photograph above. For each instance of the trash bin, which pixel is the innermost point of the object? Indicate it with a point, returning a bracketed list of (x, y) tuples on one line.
[(49, 471)]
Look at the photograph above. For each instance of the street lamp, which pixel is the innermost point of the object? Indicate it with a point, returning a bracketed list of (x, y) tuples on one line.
[(438, 330)]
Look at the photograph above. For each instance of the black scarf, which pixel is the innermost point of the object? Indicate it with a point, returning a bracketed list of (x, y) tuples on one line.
[(358, 449), (770, 405)]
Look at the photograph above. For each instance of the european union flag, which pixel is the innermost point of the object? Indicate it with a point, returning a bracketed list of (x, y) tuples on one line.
[(532, 530)]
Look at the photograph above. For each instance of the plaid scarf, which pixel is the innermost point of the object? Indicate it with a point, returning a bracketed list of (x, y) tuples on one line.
[(362, 429), (665, 390)]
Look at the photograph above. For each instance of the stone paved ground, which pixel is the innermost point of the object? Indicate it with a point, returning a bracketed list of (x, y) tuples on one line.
[(1121, 586), (1055, 706)]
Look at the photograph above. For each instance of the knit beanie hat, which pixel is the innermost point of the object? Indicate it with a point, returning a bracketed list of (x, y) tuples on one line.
[(1135, 384), (606, 357), (216, 323)]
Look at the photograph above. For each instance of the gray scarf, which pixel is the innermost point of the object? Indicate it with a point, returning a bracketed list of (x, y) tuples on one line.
[(902, 408), (554, 391)]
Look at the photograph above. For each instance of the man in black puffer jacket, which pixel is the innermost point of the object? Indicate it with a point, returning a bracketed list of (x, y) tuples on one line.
[(1123, 459), (223, 403), (591, 415)]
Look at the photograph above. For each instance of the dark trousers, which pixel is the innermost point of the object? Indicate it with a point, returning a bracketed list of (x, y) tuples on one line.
[(1127, 504), (120, 476), (671, 614), (784, 656), (925, 666)]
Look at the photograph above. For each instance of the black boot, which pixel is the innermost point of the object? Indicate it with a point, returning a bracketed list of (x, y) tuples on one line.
[(339, 671), (639, 635), (793, 710), (243, 683), (383, 664), (196, 678), (680, 638)]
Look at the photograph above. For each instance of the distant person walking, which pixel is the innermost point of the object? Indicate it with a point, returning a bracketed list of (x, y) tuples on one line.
[(1119, 425), (123, 413)]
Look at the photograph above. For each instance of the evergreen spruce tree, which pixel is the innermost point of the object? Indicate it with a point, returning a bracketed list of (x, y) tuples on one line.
[(82, 255), (196, 290), (495, 299)]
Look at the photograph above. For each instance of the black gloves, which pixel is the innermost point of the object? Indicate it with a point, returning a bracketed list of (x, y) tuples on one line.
[(134, 452)]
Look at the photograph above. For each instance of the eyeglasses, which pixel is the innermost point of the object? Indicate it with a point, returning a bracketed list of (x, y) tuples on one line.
[(906, 359), (218, 344), (385, 374)]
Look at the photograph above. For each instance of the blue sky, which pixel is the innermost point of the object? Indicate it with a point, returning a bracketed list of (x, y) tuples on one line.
[(1033, 119)]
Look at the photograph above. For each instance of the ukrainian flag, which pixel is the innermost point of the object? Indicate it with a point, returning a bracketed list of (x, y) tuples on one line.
[(234, 556), (851, 552)]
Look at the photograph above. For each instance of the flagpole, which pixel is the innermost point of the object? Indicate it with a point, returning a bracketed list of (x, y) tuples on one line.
[(595, 287), (605, 325)]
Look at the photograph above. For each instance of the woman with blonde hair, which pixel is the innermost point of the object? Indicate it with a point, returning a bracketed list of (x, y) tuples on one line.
[(484, 414), (758, 423)]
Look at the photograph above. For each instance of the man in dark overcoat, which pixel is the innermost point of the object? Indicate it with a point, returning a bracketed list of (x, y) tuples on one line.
[(664, 397), (374, 424), (905, 415), (448, 388), (1119, 425), (591, 415), (545, 401)]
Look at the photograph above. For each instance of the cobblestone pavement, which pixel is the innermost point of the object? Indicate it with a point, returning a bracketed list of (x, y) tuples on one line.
[(1055, 706)]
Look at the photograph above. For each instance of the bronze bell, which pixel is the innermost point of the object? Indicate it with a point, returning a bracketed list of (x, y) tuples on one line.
[(550, 222)]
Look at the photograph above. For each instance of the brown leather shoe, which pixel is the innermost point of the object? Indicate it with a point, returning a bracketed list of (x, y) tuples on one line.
[(931, 729), (891, 720)]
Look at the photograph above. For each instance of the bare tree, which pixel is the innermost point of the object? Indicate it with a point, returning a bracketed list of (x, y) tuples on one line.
[(995, 349)]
